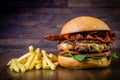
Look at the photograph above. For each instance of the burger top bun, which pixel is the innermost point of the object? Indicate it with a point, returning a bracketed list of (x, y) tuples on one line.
[(84, 23)]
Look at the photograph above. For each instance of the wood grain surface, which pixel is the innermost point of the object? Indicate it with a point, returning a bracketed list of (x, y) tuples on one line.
[(25, 22)]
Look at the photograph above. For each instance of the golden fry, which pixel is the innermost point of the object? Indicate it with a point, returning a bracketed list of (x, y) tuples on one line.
[(21, 59), (44, 63), (14, 65), (37, 50), (38, 53), (9, 63), (38, 66), (11, 68), (38, 62), (21, 67), (29, 61), (56, 63), (33, 62), (53, 57), (52, 66), (46, 67), (31, 49)]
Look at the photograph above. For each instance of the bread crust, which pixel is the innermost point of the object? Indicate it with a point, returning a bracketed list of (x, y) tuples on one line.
[(88, 63), (84, 23)]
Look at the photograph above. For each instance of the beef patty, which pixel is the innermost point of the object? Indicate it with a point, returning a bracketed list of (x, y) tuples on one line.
[(84, 46)]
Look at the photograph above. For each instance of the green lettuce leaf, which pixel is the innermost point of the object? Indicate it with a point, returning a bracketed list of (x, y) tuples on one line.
[(79, 57), (68, 54), (113, 55)]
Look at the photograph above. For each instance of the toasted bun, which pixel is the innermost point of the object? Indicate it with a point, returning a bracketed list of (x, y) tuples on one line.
[(69, 62), (84, 23)]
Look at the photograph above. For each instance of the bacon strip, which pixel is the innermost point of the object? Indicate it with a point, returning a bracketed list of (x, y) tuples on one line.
[(88, 36), (79, 36), (66, 36), (112, 36), (101, 36), (53, 37)]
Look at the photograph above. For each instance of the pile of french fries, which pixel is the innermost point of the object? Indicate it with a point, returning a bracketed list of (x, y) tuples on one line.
[(34, 59)]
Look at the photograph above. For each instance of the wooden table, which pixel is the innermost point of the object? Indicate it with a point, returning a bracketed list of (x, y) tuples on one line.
[(110, 73)]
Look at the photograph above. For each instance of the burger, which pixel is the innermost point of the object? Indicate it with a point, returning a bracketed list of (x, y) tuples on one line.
[(84, 42)]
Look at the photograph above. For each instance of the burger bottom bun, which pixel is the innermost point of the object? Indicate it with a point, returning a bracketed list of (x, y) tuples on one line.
[(88, 63)]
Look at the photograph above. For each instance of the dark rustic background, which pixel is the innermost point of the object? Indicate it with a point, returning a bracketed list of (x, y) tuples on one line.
[(24, 22)]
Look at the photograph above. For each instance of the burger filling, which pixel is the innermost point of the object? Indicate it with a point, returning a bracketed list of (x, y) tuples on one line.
[(84, 44)]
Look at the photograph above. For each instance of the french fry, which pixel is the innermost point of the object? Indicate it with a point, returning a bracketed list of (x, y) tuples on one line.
[(37, 55), (38, 66), (37, 50), (44, 63), (53, 57), (23, 61), (38, 62), (31, 49), (52, 66), (22, 58), (33, 62), (29, 61), (14, 65), (21, 67), (56, 63), (46, 67), (11, 68), (9, 63)]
